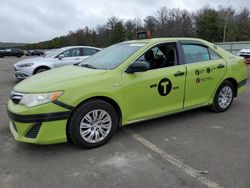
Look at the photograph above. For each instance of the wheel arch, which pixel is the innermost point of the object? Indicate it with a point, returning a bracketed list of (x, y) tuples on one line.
[(235, 84), (103, 98), (41, 66)]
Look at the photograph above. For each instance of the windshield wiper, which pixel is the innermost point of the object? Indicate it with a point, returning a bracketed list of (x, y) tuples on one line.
[(88, 66)]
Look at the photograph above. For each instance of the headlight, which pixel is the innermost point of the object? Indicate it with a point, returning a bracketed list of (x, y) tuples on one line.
[(26, 65), (31, 100)]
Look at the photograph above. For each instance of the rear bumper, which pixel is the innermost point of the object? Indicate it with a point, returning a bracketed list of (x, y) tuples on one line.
[(242, 86)]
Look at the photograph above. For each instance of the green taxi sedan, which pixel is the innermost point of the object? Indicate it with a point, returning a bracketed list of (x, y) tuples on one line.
[(125, 83)]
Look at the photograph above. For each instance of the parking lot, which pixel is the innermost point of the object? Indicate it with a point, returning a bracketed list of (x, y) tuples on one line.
[(196, 148)]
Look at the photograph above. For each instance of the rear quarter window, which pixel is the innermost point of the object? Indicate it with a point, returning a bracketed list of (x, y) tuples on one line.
[(214, 55)]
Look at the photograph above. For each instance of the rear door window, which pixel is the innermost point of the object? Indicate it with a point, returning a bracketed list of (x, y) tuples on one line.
[(71, 52), (195, 53)]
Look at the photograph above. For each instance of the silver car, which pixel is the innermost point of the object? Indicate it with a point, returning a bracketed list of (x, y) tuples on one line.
[(56, 58), (246, 54)]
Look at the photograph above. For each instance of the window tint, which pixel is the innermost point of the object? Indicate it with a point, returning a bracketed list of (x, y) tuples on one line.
[(89, 51), (195, 53), (164, 55), (213, 55), (72, 52)]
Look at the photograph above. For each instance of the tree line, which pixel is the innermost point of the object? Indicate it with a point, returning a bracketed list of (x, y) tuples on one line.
[(214, 25)]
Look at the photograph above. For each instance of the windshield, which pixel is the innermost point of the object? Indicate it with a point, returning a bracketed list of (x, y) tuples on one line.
[(112, 57), (52, 53)]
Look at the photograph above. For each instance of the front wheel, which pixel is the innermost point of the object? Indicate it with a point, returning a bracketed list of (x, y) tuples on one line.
[(223, 97), (41, 69), (92, 124)]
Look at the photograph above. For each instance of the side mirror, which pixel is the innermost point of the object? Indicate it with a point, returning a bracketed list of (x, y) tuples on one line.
[(61, 56), (138, 66)]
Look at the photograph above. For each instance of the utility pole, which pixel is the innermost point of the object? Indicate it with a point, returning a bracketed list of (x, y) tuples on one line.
[(225, 26)]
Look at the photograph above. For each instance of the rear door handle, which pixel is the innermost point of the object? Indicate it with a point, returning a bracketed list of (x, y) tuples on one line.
[(179, 73), (220, 66), (77, 59)]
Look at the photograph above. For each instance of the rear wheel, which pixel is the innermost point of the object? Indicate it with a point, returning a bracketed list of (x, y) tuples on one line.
[(40, 69), (223, 97), (92, 124)]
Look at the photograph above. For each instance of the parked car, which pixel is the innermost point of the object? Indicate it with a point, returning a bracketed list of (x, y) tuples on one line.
[(125, 83), (37, 52), (11, 52), (28, 52), (60, 57), (246, 54)]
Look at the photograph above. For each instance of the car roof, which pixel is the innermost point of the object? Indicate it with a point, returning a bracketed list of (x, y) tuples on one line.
[(157, 40), (70, 47)]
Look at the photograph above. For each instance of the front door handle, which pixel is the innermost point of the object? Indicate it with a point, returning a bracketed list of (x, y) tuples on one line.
[(179, 73), (220, 66), (77, 59)]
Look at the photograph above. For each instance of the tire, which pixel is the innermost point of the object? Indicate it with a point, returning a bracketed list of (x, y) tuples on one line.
[(223, 97), (40, 69), (82, 124)]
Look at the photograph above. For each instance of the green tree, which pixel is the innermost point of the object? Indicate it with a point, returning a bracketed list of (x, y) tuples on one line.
[(118, 34), (208, 25)]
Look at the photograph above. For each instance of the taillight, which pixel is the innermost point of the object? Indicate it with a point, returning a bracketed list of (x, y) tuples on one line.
[(245, 61)]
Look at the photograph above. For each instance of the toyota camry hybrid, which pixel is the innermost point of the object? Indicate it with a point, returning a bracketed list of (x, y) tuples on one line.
[(125, 83)]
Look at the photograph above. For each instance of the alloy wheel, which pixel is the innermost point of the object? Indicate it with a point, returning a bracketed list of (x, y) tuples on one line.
[(95, 126)]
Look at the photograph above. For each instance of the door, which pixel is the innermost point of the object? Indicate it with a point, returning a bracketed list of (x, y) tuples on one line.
[(157, 91), (68, 57), (205, 69)]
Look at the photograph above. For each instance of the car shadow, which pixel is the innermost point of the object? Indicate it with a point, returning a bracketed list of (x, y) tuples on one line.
[(171, 119)]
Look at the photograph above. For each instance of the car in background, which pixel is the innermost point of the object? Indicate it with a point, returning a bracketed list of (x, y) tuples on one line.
[(33, 52), (11, 52), (246, 54), (57, 58), (37, 52)]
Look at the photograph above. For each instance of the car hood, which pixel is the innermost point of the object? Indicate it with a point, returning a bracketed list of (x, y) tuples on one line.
[(59, 79), (34, 60)]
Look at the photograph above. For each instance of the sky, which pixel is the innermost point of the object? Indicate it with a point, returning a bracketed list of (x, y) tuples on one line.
[(32, 21)]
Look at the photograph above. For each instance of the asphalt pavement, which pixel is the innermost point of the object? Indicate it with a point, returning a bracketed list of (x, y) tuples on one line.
[(196, 148)]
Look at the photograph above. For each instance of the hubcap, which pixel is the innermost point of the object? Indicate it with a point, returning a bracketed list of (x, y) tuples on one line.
[(225, 97), (95, 126)]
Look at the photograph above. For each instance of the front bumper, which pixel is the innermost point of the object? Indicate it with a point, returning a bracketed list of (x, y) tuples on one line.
[(22, 73), (45, 127)]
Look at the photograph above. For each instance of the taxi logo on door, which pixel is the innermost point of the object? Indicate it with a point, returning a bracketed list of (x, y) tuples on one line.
[(164, 87)]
